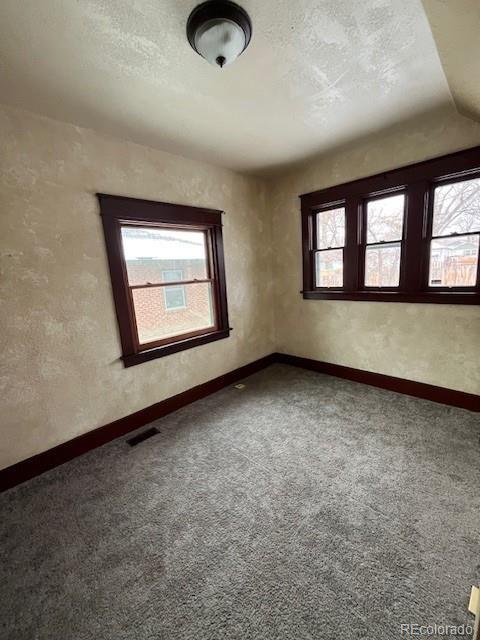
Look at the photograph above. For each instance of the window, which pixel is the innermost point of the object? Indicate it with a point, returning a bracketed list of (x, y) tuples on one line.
[(174, 297), (330, 238), (454, 239), (167, 270), (383, 246), (410, 235)]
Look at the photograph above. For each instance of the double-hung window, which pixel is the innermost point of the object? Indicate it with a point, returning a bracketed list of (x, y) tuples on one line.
[(330, 241), (454, 235), (167, 269), (383, 224), (409, 235)]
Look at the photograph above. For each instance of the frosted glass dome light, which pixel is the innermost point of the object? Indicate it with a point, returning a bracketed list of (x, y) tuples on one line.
[(219, 31)]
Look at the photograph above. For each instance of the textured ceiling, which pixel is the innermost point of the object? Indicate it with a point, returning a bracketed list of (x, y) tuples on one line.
[(316, 74)]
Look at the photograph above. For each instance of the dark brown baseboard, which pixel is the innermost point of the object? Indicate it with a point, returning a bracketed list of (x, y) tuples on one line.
[(42, 462), (62, 453), (408, 387)]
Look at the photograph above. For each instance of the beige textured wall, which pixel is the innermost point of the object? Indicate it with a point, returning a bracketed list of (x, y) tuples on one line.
[(60, 372), (436, 344), (61, 375)]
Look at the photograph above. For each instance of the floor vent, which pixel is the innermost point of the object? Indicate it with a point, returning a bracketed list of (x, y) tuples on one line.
[(143, 436)]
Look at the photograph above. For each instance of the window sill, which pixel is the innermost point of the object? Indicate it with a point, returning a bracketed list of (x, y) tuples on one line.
[(173, 347), (429, 297)]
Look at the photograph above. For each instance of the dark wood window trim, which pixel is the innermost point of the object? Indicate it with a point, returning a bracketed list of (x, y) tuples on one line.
[(418, 182), (118, 211)]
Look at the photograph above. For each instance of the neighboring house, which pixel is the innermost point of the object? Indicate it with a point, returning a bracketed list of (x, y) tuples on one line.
[(164, 311)]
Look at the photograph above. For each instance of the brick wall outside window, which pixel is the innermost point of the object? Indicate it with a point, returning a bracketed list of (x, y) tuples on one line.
[(154, 320)]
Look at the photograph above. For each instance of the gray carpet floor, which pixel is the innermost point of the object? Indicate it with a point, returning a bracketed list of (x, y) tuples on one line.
[(301, 507)]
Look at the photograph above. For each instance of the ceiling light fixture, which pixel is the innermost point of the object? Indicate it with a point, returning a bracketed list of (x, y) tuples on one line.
[(219, 31)]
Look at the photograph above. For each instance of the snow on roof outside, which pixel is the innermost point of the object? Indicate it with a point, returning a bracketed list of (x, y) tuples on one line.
[(164, 244)]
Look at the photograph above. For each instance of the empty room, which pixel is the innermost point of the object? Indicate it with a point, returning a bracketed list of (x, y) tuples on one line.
[(240, 319)]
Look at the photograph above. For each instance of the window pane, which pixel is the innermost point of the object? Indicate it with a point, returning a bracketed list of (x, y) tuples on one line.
[(456, 208), (329, 268), (152, 252), (385, 219), (454, 262), (174, 297), (382, 265), (331, 228), (172, 275), (156, 321)]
